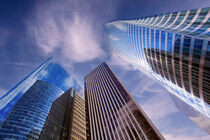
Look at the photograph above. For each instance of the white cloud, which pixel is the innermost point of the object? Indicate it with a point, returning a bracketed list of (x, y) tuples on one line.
[(185, 137), (159, 105), (118, 25), (47, 35), (112, 37), (148, 83), (2, 92), (58, 27), (80, 42), (185, 133), (116, 60)]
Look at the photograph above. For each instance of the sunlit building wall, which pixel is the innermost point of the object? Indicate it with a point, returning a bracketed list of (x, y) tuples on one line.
[(78, 129), (173, 48), (49, 71), (111, 111)]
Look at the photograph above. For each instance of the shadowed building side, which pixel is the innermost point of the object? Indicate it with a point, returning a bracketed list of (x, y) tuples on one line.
[(58, 120), (66, 119)]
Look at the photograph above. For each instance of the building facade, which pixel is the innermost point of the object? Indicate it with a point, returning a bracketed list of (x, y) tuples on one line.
[(111, 111), (57, 124), (28, 115), (24, 109), (50, 72), (66, 119), (172, 48), (78, 130)]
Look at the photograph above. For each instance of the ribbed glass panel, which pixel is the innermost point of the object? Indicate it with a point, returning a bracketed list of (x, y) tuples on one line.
[(173, 49), (49, 71), (206, 75), (122, 117), (27, 117)]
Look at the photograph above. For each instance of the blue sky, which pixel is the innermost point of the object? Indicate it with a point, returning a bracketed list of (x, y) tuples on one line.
[(73, 32)]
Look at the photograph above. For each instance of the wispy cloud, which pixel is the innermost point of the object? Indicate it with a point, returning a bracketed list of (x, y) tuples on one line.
[(2, 91), (186, 133), (118, 25), (185, 137), (116, 60), (159, 105), (149, 85), (20, 64), (68, 29), (114, 38)]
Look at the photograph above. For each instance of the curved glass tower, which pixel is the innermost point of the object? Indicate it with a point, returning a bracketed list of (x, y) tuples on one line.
[(50, 72), (27, 117), (24, 109), (174, 49)]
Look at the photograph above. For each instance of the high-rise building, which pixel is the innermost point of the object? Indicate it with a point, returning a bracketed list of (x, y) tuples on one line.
[(28, 115), (112, 113), (58, 120), (24, 109), (174, 49), (66, 119), (50, 72)]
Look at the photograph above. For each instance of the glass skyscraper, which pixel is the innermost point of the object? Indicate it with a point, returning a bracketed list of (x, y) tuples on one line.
[(174, 49), (27, 117), (24, 108), (111, 111), (50, 72)]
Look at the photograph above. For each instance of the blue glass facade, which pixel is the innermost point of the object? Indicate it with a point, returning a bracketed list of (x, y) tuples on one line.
[(27, 117), (173, 49), (50, 72)]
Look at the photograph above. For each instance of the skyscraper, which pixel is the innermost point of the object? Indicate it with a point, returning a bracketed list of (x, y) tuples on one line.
[(174, 49), (66, 119), (111, 111), (27, 117), (50, 72), (58, 120), (26, 106)]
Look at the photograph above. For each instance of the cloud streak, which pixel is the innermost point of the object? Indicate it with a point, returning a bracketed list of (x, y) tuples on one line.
[(159, 106), (116, 60), (118, 25), (185, 133), (2, 91), (64, 28)]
